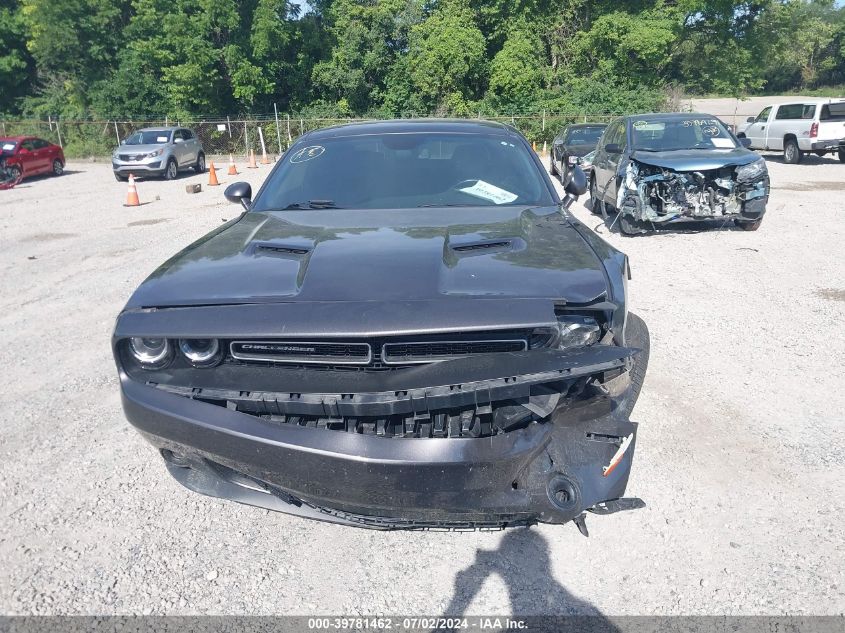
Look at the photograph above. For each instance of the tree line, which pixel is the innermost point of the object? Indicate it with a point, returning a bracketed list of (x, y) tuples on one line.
[(120, 59)]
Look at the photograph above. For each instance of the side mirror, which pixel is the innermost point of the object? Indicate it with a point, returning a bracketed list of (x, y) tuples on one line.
[(239, 192), (745, 141), (613, 148), (576, 182), (750, 119), (178, 140), (123, 141)]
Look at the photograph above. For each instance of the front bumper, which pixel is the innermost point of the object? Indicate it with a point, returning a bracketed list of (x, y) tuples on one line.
[(131, 167), (549, 471)]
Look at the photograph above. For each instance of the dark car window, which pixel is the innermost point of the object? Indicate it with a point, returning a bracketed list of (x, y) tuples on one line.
[(401, 171), (764, 115), (796, 111), (149, 137), (584, 135), (28, 145), (187, 135), (833, 112), (40, 143), (613, 134), (695, 132)]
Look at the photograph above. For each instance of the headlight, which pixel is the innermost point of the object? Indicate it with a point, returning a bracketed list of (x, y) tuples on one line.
[(751, 170), (577, 331), (572, 160), (156, 153), (201, 352), (152, 353)]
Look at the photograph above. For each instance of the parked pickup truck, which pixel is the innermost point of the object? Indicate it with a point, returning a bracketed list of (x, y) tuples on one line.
[(809, 125)]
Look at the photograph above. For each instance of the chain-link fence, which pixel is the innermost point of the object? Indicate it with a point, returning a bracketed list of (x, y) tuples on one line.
[(223, 136)]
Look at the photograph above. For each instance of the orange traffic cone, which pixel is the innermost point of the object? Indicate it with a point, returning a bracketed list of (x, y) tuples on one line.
[(252, 164), (534, 146), (212, 175), (233, 171), (132, 194), (264, 159)]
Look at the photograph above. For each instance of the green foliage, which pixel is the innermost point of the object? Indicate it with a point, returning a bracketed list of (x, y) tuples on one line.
[(446, 57), (137, 59)]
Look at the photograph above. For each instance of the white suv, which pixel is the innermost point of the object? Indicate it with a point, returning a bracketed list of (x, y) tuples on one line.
[(809, 125)]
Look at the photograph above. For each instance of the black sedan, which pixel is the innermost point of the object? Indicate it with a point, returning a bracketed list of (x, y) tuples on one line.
[(574, 142), (406, 329), (656, 169)]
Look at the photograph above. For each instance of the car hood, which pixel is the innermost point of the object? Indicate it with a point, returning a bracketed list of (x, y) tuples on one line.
[(696, 159), (139, 149), (381, 255)]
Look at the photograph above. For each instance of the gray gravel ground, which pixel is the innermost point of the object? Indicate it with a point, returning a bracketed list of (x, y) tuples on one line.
[(739, 455)]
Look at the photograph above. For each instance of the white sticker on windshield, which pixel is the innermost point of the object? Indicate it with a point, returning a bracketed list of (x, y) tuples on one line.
[(8, 146), (722, 142), (307, 153), (161, 139), (490, 192)]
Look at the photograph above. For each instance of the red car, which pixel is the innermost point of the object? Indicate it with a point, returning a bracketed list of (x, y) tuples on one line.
[(24, 156)]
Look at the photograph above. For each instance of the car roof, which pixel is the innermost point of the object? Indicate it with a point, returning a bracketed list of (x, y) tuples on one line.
[(815, 100), (580, 125), (405, 126), (171, 128), (668, 116)]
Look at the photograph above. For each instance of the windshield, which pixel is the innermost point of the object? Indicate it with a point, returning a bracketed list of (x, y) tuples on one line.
[(584, 135), (681, 133), (149, 137), (402, 171)]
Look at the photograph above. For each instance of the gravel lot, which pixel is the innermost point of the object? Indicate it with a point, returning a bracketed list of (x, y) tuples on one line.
[(738, 458)]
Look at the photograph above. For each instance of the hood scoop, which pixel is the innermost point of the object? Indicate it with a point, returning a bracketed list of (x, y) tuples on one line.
[(483, 247), (278, 249)]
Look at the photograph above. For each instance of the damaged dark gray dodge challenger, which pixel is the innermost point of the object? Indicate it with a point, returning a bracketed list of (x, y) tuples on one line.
[(405, 330)]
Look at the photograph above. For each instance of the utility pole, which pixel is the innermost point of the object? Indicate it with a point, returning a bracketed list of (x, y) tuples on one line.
[(278, 131)]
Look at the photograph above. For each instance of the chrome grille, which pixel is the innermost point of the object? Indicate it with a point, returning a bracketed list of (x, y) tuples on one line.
[(321, 352)]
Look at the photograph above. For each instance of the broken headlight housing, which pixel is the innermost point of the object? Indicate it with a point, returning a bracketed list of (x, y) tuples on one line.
[(577, 331), (751, 170)]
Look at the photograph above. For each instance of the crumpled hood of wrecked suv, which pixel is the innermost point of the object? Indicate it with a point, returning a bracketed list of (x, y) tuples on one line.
[(696, 159)]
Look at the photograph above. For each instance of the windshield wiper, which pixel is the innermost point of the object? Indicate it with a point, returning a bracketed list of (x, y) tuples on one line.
[(454, 204), (312, 204)]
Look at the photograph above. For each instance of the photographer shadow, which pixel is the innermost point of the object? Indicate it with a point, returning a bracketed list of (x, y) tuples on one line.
[(523, 562)]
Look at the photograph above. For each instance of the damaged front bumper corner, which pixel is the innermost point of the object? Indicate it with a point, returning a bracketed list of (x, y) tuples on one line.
[(319, 454)]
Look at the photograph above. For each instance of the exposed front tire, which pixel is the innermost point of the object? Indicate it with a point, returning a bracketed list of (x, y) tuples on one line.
[(15, 173), (120, 178), (631, 227), (751, 225), (636, 335), (171, 171), (58, 168), (200, 166), (791, 152), (842, 155), (552, 166)]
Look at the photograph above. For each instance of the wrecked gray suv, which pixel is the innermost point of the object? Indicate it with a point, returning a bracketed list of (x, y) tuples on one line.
[(405, 329), (657, 169)]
